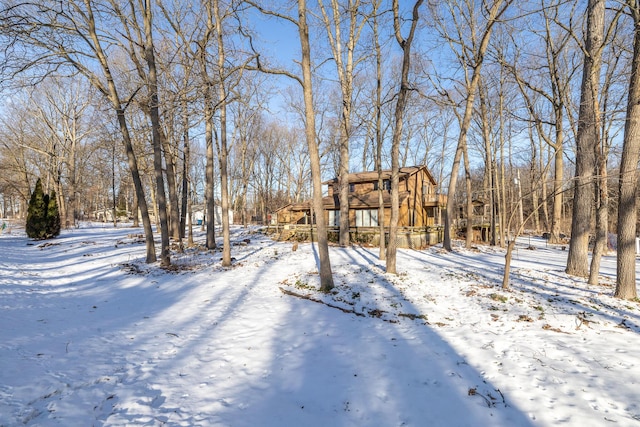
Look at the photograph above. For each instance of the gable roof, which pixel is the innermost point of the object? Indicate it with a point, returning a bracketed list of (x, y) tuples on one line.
[(370, 176), (356, 201)]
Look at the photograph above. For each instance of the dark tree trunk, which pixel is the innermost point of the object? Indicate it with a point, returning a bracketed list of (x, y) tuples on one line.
[(628, 181)]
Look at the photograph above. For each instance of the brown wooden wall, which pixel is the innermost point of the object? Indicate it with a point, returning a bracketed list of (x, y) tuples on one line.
[(413, 212)]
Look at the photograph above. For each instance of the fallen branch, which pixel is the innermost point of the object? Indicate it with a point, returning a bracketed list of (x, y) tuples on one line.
[(319, 301)]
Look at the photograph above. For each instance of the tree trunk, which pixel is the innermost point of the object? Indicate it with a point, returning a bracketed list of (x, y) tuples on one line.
[(155, 136), (172, 187), (469, 204), (488, 162), (114, 98), (222, 154), (627, 205), (535, 197), (344, 68), (135, 210), (602, 219), (72, 206), (190, 211), (114, 212), (326, 276), (382, 254), (403, 94), (209, 219), (479, 51), (587, 142), (186, 146), (507, 263)]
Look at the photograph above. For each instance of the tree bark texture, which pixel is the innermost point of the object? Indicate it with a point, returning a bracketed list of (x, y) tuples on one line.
[(223, 154), (326, 275), (165, 259), (587, 142), (403, 94), (628, 182)]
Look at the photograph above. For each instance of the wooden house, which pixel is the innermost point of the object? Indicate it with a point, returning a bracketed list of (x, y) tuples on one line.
[(292, 214), (420, 204)]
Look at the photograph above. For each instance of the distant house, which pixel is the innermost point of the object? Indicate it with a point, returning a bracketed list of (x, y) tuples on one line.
[(480, 217), (198, 212), (420, 205)]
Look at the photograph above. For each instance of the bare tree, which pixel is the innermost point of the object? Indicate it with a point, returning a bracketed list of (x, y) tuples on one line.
[(491, 173), (587, 141), (471, 54), (403, 93), (602, 149), (628, 180), (153, 103), (326, 276), (378, 131), (62, 110), (223, 146), (208, 91), (306, 82), (67, 35), (345, 66), (247, 125)]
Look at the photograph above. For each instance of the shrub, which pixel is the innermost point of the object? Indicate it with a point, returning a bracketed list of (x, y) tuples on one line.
[(43, 217), (37, 214)]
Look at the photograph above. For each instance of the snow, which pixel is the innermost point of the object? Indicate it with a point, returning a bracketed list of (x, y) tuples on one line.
[(93, 336)]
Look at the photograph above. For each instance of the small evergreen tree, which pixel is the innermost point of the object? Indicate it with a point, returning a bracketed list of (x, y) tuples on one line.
[(43, 217), (53, 217), (37, 214)]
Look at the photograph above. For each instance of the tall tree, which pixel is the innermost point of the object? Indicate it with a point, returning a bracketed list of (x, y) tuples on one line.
[(208, 90), (153, 104), (587, 142), (343, 56), (628, 178), (306, 82), (223, 147), (401, 103), (326, 276), (378, 130), (602, 149), (471, 54)]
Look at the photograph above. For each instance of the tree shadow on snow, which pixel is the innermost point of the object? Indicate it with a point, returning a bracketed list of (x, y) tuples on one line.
[(327, 367), (224, 346)]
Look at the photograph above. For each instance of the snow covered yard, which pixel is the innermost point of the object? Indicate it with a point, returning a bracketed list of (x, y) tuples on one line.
[(93, 336)]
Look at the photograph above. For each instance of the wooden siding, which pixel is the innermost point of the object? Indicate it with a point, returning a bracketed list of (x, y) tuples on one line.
[(419, 204)]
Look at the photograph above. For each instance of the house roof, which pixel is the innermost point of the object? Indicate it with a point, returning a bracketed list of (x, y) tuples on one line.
[(363, 201), (371, 176), (283, 208), (302, 206), (356, 201)]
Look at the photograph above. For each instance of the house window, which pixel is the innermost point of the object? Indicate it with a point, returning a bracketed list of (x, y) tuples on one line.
[(426, 189), (334, 218), (367, 218), (352, 188), (386, 184), (375, 185)]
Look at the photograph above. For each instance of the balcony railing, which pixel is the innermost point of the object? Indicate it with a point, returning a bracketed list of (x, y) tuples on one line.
[(433, 199)]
